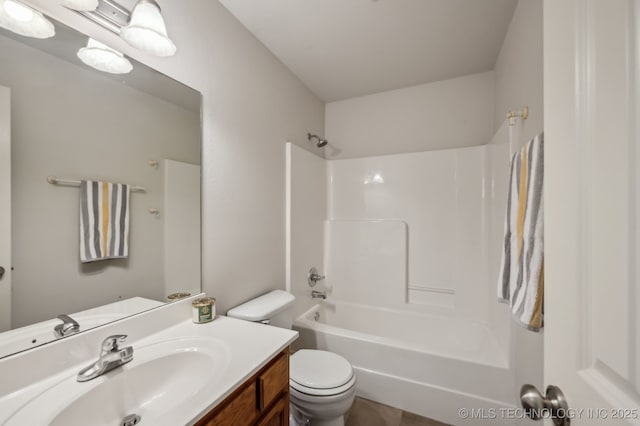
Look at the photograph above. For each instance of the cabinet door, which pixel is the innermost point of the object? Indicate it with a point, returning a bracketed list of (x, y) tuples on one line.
[(263, 399), (239, 410), (278, 415), (273, 382)]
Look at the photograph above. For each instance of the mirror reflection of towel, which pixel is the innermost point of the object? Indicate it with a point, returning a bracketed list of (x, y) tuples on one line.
[(521, 280), (104, 221)]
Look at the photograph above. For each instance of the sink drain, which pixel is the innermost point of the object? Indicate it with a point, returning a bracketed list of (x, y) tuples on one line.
[(131, 420)]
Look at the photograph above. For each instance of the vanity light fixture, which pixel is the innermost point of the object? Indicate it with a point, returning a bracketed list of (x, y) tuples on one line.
[(103, 58), (81, 5), (146, 30), (24, 20)]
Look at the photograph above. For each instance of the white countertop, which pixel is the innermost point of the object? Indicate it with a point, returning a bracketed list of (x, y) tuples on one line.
[(247, 348)]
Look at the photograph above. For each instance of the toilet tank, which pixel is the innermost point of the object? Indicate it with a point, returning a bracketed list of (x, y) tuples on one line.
[(274, 308)]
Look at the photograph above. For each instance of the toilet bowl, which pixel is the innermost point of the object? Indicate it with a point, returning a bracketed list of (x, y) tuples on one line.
[(322, 384), (322, 388)]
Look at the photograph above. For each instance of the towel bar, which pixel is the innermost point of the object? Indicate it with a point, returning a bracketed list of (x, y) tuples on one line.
[(71, 182)]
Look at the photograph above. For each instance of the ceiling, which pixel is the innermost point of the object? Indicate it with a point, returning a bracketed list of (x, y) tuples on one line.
[(346, 48)]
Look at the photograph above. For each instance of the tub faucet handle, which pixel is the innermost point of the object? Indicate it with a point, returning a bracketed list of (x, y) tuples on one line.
[(314, 277)]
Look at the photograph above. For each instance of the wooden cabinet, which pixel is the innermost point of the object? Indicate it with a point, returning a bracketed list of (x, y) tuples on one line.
[(263, 400), (278, 415)]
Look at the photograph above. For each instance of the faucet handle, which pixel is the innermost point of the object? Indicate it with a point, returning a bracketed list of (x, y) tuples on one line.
[(313, 277), (68, 320), (69, 326), (110, 344)]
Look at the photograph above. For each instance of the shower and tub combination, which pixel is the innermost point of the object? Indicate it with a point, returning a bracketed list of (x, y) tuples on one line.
[(410, 246)]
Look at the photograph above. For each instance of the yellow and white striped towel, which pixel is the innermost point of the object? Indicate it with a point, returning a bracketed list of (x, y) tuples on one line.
[(521, 280), (104, 221)]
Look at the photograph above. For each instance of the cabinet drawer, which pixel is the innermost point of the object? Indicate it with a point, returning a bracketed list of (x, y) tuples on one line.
[(273, 382)]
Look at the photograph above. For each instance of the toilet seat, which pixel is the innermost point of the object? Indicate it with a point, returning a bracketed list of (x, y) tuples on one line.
[(320, 373)]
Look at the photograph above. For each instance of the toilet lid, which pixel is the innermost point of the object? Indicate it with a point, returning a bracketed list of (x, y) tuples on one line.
[(319, 369)]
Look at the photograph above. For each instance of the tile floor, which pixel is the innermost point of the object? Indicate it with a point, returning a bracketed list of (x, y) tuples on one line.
[(369, 413)]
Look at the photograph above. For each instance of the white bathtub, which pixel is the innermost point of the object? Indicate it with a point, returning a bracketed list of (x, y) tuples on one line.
[(426, 364)]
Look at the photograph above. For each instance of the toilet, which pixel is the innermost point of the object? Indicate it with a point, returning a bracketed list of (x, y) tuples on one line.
[(322, 384)]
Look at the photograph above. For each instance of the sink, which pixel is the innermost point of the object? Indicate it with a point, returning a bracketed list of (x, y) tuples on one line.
[(161, 378)]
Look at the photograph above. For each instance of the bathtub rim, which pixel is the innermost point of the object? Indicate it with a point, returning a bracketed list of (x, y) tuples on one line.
[(305, 321)]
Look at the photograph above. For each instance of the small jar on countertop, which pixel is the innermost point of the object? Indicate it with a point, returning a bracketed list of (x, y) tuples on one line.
[(174, 297), (204, 310)]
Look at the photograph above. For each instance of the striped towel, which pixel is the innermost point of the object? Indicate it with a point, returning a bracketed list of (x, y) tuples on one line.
[(104, 221), (521, 280)]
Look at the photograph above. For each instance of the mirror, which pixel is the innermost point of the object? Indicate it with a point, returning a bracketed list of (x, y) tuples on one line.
[(71, 122)]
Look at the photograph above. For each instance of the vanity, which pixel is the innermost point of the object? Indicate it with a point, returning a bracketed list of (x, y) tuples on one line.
[(226, 372), (262, 400)]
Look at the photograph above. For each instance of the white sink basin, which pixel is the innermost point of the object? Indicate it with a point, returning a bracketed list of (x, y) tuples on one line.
[(160, 379)]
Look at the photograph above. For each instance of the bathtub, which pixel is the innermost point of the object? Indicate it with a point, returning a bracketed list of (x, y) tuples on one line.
[(426, 364)]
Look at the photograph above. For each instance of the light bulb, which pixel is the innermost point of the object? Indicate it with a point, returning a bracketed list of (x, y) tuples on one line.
[(18, 11), (147, 31), (103, 58), (24, 20)]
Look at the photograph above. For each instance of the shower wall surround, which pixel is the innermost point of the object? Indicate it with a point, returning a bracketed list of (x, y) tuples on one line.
[(444, 203), (417, 231), (306, 189)]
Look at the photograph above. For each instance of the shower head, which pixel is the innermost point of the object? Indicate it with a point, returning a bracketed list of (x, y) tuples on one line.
[(321, 141)]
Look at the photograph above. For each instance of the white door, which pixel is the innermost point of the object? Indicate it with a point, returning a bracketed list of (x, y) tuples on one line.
[(5, 209), (592, 200)]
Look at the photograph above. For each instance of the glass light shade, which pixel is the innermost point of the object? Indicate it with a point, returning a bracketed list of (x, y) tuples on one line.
[(146, 30), (81, 5), (103, 58), (22, 19)]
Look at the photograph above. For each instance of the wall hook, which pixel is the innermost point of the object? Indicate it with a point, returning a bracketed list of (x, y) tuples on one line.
[(512, 115)]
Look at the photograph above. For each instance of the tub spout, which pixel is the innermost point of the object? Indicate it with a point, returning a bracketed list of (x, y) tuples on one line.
[(319, 294)]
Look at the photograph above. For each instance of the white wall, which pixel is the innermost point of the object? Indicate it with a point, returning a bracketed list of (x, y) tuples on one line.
[(518, 70), (72, 122), (251, 105), (306, 210), (519, 82), (445, 114)]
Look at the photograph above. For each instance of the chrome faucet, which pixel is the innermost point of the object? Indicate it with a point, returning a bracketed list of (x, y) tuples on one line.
[(318, 294), (68, 327), (111, 356)]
